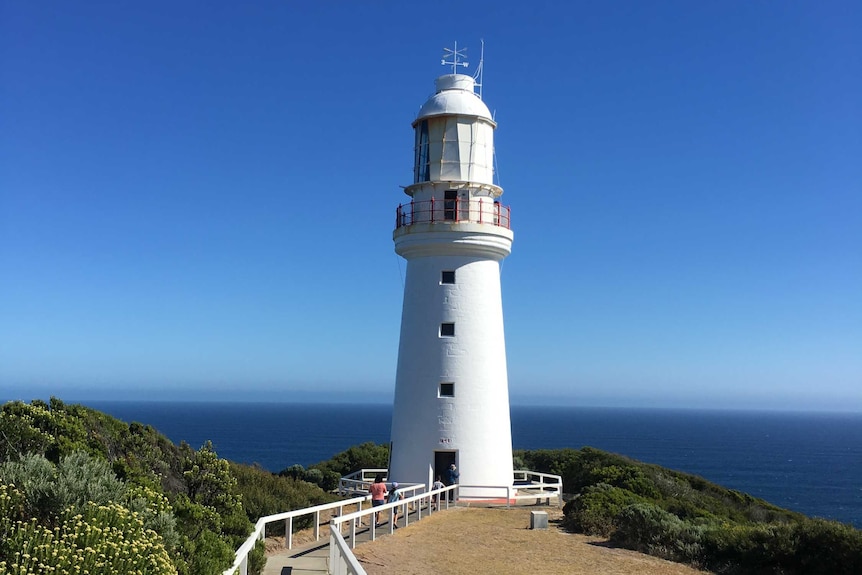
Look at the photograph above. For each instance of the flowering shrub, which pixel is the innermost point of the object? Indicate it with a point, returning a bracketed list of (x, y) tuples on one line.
[(23, 430), (105, 539), (11, 509), (79, 488)]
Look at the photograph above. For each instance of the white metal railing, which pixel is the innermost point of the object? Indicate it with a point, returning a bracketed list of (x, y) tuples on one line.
[(527, 485), (359, 481), (536, 485), (439, 210), (241, 561), (341, 558)]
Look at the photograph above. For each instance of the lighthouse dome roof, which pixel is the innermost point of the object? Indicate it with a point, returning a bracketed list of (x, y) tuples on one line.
[(455, 96)]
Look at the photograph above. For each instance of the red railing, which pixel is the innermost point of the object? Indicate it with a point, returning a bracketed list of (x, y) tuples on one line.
[(477, 211)]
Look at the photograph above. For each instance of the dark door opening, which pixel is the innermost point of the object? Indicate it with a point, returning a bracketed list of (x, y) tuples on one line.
[(442, 461), (450, 205)]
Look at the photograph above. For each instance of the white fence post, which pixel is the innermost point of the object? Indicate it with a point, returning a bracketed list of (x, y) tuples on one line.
[(288, 535)]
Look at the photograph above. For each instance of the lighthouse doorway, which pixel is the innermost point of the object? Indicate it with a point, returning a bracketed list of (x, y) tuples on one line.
[(442, 461)]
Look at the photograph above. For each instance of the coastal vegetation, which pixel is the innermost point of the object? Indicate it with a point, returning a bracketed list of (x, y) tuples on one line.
[(81, 491), (326, 474), (687, 519)]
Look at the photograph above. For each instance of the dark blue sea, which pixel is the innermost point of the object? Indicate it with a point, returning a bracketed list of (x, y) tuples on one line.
[(808, 462)]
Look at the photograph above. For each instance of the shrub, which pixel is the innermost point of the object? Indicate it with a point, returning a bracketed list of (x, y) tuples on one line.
[(81, 479), (207, 554), (562, 462), (595, 510), (257, 558), (629, 477), (314, 476), (11, 510), (295, 471), (828, 547), (154, 509), (209, 481), (650, 529), (33, 475), (366, 455), (75, 481), (22, 430), (266, 494), (811, 546), (108, 539)]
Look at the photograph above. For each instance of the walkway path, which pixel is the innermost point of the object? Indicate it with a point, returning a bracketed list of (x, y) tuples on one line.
[(313, 558)]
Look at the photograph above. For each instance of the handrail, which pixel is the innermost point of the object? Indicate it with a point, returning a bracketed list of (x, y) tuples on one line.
[(259, 532), (549, 484), (365, 474), (341, 560), (438, 495), (471, 210), (359, 481)]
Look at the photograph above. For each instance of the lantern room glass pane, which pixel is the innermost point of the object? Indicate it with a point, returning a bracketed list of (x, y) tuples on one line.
[(421, 164)]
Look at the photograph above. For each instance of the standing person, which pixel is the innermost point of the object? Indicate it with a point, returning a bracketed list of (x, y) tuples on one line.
[(378, 496), (393, 497), (436, 485), (452, 476)]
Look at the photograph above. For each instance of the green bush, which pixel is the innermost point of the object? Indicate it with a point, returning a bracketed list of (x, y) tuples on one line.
[(595, 510), (629, 477), (257, 558), (82, 479), (104, 539), (650, 529), (685, 518), (266, 494), (295, 471), (207, 554), (366, 455), (828, 547), (34, 476), (11, 511), (156, 512), (22, 431), (77, 480), (811, 546)]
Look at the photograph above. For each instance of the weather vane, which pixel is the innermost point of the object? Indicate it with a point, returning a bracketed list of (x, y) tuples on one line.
[(454, 55)]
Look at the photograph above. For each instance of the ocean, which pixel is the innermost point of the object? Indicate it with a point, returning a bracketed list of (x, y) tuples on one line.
[(808, 462)]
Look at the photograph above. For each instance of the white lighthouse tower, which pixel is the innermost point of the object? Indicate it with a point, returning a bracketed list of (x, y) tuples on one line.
[(451, 387)]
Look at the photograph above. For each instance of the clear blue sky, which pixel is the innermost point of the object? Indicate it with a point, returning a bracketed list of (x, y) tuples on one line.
[(197, 198)]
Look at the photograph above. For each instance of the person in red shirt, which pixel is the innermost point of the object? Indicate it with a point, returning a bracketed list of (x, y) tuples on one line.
[(378, 496)]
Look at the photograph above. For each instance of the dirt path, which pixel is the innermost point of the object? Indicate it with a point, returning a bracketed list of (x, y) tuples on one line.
[(475, 541)]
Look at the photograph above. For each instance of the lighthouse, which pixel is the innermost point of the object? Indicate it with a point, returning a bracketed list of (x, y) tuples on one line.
[(451, 388)]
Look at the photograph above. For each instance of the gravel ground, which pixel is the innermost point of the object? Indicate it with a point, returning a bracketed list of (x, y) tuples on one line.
[(471, 541)]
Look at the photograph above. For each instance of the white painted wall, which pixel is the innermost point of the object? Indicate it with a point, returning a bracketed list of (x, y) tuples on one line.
[(475, 422)]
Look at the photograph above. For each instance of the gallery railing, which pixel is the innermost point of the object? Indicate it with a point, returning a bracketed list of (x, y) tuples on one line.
[(475, 210)]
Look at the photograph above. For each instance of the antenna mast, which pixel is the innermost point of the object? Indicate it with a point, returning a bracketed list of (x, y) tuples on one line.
[(479, 70), (457, 57)]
